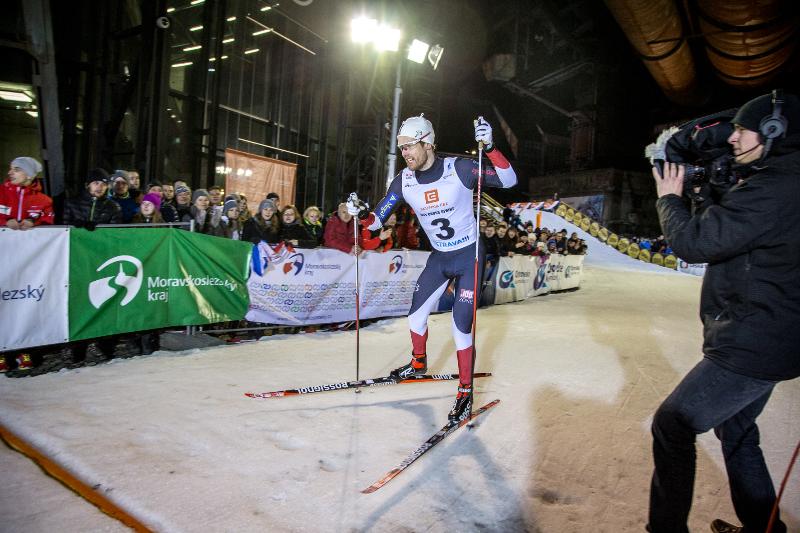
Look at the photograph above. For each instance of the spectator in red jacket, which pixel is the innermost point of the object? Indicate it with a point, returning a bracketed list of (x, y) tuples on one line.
[(23, 205), (339, 232)]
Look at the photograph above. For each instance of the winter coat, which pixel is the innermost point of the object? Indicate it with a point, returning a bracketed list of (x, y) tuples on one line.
[(22, 203), (87, 211), (370, 240), (207, 223), (256, 230), (231, 228), (338, 234), (128, 206), (315, 231), (407, 235), (750, 299), (297, 232)]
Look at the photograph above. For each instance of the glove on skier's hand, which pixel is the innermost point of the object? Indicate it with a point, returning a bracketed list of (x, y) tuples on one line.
[(483, 133)]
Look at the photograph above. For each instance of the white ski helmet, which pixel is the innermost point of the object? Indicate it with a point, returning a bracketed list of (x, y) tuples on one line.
[(419, 128)]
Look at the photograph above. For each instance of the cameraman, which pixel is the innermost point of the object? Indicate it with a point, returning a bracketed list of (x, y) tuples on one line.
[(750, 308)]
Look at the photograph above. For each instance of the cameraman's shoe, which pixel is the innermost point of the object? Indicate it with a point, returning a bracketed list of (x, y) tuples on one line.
[(721, 526), (417, 367), (462, 407)]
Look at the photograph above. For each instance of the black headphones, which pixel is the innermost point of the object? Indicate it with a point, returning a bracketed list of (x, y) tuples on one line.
[(775, 125)]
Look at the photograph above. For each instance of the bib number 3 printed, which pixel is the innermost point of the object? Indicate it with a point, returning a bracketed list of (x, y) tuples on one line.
[(445, 230)]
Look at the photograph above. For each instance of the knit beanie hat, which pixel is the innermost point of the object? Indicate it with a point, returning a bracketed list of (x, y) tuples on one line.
[(96, 174), (120, 174), (153, 199), (266, 204), (181, 189), (198, 193), (753, 112), (28, 165), (228, 205)]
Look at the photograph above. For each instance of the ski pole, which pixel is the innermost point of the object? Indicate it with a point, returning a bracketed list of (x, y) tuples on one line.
[(477, 259), (358, 296)]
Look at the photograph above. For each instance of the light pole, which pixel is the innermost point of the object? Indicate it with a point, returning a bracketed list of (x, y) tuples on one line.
[(392, 159), (384, 37)]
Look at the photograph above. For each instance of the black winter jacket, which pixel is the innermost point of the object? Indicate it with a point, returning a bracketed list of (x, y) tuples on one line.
[(750, 300), (88, 209)]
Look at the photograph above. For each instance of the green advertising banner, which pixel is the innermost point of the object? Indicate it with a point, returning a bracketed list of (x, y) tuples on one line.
[(133, 279)]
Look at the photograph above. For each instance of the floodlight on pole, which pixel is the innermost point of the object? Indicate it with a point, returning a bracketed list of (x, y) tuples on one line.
[(387, 39), (363, 29), (417, 51)]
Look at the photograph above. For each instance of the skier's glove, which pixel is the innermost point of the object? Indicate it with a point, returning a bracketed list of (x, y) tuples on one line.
[(483, 133), (356, 207)]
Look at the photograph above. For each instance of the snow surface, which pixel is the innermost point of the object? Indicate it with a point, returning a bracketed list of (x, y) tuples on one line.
[(172, 438)]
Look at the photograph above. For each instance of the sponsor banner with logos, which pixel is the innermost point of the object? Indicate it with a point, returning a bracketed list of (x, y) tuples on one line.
[(521, 277), (318, 286), (695, 269), (133, 279), (33, 287)]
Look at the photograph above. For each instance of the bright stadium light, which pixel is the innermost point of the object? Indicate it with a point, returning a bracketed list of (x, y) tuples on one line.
[(417, 51), (387, 38), (363, 29)]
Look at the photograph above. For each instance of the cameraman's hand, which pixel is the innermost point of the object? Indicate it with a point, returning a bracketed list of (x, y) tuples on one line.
[(672, 182)]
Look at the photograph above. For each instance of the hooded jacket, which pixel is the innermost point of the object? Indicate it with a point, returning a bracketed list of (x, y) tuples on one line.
[(87, 210), (750, 299), (28, 202)]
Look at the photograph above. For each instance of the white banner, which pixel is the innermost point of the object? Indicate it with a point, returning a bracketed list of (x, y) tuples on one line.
[(318, 286), (34, 287), (521, 277)]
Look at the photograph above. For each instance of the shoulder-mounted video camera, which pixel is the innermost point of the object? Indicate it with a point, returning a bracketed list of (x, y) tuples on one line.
[(701, 145)]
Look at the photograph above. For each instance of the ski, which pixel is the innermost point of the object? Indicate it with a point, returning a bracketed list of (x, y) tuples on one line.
[(427, 445), (374, 382)]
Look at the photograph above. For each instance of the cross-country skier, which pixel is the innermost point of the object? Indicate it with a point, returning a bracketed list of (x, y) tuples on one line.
[(440, 191)]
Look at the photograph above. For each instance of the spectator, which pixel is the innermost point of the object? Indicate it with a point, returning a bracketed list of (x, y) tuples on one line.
[(168, 194), (149, 210), (215, 196), (230, 224), (244, 211), (407, 230), (206, 219), (492, 243), (264, 225), (339, 231), (120, 193), (276, 200), (504, 248), (482, 226), (183, 202), (168, 212), (523, 247), (23, 205), (93, 207), (313, 224), (561, 243), (292, 229), (134, 183), (380, 239)]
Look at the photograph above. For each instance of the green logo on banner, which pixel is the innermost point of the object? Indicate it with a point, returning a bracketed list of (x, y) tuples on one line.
[(133, 279), (101, 290)]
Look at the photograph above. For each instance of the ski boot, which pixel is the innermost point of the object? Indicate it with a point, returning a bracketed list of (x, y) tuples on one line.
[(721, 526), (462, 407), (417, 367)]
